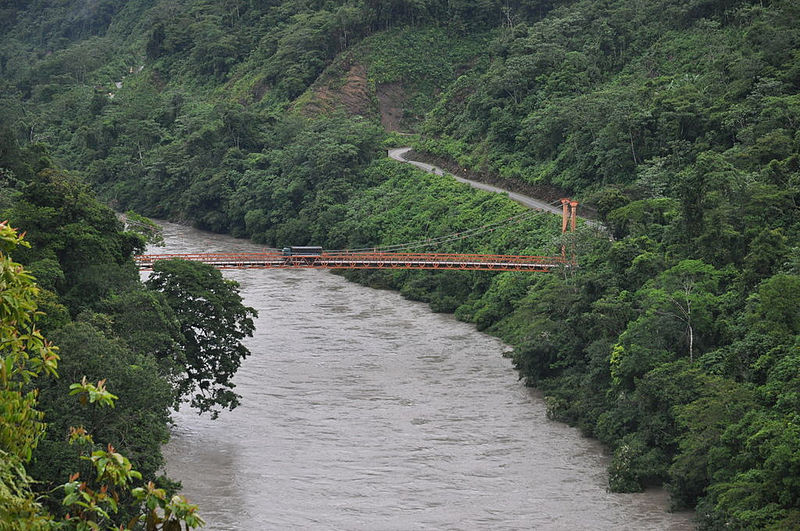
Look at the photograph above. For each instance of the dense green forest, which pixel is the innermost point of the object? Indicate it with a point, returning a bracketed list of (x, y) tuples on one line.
[(676, 341), (70, 462)]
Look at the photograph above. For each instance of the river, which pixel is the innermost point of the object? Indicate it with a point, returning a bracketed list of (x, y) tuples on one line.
[(364, 411)]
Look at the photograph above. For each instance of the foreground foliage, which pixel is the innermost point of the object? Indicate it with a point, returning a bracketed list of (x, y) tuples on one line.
[(25, 355), (111, 329)]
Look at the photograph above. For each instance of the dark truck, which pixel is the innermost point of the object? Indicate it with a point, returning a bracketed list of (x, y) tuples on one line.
[(302, 251)]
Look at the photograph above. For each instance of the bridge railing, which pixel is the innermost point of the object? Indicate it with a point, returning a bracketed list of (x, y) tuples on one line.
[(366, 260)]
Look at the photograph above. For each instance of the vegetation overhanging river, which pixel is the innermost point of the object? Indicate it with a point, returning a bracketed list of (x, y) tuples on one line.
[(362, 410)]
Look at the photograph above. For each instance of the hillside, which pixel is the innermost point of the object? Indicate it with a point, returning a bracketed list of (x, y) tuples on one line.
[(676, 342)]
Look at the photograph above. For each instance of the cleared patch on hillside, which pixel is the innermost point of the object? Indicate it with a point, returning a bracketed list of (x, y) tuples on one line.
[(347, 87), (391, 97), (344, 87)]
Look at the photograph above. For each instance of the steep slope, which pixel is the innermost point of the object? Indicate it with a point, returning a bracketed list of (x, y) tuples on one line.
[(393, 76), (603, 93)]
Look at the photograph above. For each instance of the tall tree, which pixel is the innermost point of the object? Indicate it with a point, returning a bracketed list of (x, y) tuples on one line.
[(687, 294), (213, 322)]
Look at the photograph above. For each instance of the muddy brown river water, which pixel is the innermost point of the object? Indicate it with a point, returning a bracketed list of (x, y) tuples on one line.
[(364, 411)]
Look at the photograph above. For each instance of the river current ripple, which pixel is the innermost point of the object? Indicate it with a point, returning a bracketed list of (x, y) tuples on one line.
[(364, 411)]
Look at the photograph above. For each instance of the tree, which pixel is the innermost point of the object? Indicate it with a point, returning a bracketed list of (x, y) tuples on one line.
[(137, 426), (24, 355), (677, 308), (686, 293), (773, 308), (150, 231), (94, 503), (67, 224), (702, 423), (213, 322), (146, 323)]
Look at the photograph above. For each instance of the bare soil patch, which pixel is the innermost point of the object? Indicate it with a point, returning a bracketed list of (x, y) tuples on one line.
[(350, 91), (391, 97)]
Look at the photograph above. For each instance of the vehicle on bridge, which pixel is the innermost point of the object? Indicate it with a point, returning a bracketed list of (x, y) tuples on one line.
[(302, 251)]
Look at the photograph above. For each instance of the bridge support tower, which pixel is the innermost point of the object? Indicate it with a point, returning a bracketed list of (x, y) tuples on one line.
[(569, 216)]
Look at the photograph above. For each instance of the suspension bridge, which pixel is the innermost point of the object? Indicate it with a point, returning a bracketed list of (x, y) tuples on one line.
[(364, 260), (399, 256)]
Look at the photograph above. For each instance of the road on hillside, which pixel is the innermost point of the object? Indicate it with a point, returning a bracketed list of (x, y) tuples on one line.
[(524, 200)]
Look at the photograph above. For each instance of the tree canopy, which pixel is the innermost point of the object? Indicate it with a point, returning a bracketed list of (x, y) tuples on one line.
[(213, 321)]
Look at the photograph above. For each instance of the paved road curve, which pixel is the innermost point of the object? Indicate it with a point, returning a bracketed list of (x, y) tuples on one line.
[(524, 200)]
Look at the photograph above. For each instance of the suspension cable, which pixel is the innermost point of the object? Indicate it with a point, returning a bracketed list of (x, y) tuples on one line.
[(429, 242)]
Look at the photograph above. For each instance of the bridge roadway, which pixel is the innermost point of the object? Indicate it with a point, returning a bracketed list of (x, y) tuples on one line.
[(365, 260)]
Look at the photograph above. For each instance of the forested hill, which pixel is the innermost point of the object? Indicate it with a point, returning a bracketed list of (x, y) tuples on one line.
[(676, 342)]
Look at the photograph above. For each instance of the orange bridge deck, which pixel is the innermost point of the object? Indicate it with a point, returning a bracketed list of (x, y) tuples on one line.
[(365, 260)]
